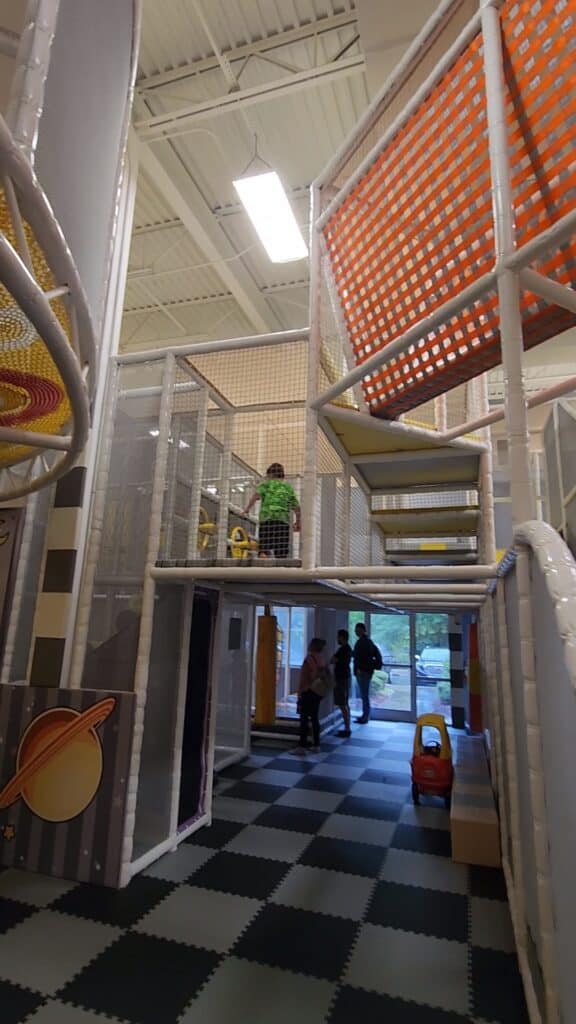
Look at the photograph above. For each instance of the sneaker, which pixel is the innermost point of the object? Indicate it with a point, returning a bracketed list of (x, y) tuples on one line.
[(300, 751), (362, 721), (344, 734), (314, 750)]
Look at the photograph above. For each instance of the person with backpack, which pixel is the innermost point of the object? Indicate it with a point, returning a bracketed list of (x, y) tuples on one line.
[(367, 660)]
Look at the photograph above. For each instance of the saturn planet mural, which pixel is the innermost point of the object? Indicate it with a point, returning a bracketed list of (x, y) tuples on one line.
[(59, 762)]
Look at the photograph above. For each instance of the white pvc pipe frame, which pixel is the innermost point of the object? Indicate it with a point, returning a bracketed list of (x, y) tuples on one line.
[(541, 542), (74, 357)]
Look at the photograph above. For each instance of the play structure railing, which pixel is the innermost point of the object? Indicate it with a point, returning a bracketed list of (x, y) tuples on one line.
[(528, 625), (445, 224), (47, 347)]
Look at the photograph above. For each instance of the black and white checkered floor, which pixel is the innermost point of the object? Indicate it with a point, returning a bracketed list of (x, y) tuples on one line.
[(318, 895)]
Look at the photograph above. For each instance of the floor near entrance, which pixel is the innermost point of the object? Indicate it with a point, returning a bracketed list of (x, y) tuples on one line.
[(319, 895)]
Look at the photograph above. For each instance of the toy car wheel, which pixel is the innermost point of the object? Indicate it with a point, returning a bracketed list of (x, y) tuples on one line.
[(415, 793)]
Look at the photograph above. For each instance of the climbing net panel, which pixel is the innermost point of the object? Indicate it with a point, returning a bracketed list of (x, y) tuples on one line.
[(417, 227), (33, 397)]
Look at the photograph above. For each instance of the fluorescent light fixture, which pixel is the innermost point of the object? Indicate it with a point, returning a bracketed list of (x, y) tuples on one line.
[(266, 203)]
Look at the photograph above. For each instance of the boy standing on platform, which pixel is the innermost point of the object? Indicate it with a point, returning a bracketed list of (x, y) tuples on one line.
[(278, 503)]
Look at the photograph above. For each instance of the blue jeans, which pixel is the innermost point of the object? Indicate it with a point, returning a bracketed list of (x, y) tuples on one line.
[(364, 679)]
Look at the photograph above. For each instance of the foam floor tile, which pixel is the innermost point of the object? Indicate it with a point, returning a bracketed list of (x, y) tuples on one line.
[(369, 1008), (256, 791), (227, 808), (56, 1012), (431, 971), (385, 791), (360, 830), (325, 892), (179, 865), (273, 843), (312, 799), (274, 777), (296, 819), (426, 870), (289, 763), (200, 917), (487, 883), (325, 784), (299, 941), (142, 980), (425, 911), (240, 991), (241, 875), (12, 913), (120, 907), (368, 807), (422, 840), (216, 835), (502, 1002), (16, 1002), (37, 890), (491, 926), (344, 855), (337, 771), (48, 949), (424, 816)]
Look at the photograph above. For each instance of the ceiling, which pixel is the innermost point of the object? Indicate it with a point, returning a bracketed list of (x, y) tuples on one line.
[(213, 77)]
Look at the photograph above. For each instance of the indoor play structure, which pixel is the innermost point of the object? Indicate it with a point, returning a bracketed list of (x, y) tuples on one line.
[(442, 243)]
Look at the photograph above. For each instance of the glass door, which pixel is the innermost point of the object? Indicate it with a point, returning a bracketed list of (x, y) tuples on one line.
[(432, 656)]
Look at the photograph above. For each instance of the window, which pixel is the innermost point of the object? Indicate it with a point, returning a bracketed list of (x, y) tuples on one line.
[(293, 640), (298, 636)]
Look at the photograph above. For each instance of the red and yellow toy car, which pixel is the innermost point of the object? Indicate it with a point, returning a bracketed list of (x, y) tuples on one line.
[(432, 770)]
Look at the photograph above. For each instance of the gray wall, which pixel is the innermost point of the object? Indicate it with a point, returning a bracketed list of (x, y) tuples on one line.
[(82, 129)]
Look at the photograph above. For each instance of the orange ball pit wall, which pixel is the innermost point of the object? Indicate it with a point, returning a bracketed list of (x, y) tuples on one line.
[(417, 228), (32, 394)]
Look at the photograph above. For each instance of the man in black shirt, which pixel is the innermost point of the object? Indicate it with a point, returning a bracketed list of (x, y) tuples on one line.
[(342, 679), (367, 659)]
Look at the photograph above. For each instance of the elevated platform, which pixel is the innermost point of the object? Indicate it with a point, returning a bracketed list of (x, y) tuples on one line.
[(397, 456), (429, 522)]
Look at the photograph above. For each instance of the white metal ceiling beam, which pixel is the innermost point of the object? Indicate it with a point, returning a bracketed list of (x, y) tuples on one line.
[(295, 35), (178, 122), (197, 218)]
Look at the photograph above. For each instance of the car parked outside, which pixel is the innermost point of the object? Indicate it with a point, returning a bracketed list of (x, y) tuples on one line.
[(432, 665)]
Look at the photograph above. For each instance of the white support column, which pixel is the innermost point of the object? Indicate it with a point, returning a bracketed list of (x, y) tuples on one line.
[(487, 535), (536, 781), (345, 526), (514, 869), (440, 413), (147, 613), (309, 483), (198, 474), (521, 490), (226, 472), (181, 705), (96, 530)]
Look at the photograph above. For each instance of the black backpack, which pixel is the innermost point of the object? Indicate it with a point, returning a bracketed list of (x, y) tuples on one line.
[(376, 657)]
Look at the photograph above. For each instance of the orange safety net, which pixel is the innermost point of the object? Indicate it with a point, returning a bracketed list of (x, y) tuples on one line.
[(32, 393), (417, 228)]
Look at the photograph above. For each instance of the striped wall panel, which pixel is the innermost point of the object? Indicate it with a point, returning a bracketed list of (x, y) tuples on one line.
[(53, 609), (457, 679)]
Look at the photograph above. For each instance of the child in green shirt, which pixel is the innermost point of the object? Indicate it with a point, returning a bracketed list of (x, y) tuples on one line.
[(278, 502)]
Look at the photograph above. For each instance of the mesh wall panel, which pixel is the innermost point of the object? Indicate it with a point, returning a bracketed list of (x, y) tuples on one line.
[(417, 227)]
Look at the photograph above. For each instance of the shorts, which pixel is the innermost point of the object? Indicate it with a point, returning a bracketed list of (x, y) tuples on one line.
[(342, 692), (274, 538)]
